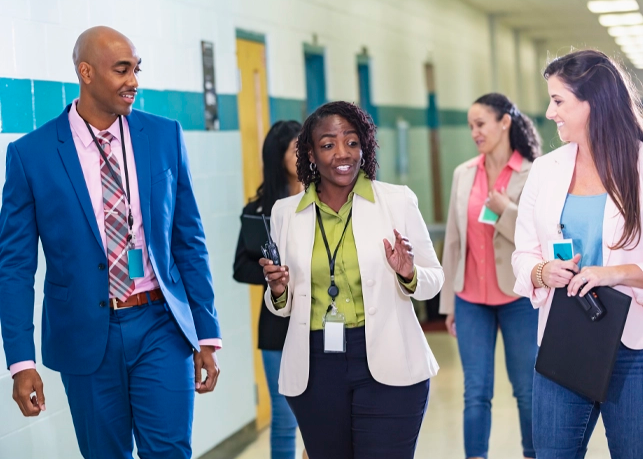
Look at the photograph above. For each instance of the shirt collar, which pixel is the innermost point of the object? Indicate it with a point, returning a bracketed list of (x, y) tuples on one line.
[(80, 129), (363, 187), (514, 163)]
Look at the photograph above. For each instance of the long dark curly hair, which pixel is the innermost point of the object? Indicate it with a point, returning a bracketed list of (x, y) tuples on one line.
[(523, 136), (362, 123)]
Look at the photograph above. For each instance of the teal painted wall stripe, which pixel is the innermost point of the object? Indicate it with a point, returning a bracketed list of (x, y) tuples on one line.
[(28, 104), (287, 109), (228, 112), (16, 110), (389, 115), (453, 118)]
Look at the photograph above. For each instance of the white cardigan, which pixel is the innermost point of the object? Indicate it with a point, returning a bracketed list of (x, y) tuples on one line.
[(396, 348)]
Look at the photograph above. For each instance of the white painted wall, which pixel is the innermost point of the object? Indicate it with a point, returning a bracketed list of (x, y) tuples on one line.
[(36, 40)]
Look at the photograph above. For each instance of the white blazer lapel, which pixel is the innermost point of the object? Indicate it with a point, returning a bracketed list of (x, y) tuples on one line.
[(465, 184), (371, 224), (301, 247)]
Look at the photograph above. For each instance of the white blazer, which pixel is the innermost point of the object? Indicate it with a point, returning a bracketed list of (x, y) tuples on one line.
[(396, 348), (539, 211)]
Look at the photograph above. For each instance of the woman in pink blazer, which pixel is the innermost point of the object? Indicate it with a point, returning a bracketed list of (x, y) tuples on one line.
[(589, 191)]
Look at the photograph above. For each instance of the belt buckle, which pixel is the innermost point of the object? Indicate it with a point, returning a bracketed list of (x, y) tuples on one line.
[(115, 303)]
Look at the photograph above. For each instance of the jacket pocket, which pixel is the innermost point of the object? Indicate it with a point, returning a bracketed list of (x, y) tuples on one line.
[(161, 176), (57, 292)]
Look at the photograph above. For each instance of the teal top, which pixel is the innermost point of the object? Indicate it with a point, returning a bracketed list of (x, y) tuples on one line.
[(582, 221)]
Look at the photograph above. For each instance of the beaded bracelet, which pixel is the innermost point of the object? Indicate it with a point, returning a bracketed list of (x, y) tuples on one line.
[(539, 274)]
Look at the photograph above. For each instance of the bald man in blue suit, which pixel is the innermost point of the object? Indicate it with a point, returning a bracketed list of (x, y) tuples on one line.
[(128, 314)]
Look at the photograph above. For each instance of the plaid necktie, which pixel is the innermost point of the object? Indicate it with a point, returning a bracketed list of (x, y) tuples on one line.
[(115, 208)]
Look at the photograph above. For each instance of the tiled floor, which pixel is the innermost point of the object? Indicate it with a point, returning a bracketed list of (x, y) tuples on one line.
[(441, 434)]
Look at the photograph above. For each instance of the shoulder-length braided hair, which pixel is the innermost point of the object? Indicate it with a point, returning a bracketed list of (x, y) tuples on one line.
[(362, 123)]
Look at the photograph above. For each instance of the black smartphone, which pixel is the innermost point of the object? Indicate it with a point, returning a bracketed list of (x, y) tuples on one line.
[(590, 303)]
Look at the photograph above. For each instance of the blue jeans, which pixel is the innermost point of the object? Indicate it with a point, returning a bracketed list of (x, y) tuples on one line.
[(283, 425), (477, 329), (564, 420)]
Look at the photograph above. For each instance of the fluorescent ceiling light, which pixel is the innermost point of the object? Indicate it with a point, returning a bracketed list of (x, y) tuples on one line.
[(628, 49), (629, 40), (611, 20), (618, 6), (622, 31)]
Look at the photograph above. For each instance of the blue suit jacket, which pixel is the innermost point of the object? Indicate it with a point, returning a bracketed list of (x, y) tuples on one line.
[(45, 196)]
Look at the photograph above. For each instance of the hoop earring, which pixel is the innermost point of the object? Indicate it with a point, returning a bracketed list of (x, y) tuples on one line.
[(362, 163), (313, 167)]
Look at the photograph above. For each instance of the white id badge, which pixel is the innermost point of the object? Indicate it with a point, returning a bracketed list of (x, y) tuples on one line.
[(334, 332), (487, 216)]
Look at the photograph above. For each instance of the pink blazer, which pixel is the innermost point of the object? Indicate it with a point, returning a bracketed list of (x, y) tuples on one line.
[(539, 211)]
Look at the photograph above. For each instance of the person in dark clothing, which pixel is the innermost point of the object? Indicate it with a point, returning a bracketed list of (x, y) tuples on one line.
[(280, 181)]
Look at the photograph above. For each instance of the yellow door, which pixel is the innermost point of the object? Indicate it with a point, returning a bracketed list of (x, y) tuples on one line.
[(253, 125)]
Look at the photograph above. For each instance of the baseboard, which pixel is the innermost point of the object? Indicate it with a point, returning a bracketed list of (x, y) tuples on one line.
[(232, 446)]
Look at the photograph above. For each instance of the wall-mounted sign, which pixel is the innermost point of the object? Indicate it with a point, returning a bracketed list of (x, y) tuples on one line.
[(209, 90)]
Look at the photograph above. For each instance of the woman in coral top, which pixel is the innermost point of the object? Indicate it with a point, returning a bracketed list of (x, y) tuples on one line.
[(478, 294)]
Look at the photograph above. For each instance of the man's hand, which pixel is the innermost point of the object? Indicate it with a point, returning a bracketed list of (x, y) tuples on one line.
[(206, 360), (25, 383)]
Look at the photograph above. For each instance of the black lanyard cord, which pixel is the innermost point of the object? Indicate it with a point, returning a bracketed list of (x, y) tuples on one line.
[(117, 177), (333, 291)]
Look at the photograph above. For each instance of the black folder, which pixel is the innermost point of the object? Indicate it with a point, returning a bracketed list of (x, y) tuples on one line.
[(577, 353), (254, 233)]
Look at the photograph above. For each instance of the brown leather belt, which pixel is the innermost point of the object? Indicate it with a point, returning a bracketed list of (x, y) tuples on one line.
[(136, 300)]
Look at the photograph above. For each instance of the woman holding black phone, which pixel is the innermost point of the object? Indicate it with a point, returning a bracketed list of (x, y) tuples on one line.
[(280, 181), (356, 363)]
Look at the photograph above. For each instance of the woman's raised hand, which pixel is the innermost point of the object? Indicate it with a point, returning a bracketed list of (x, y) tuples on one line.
[(400, 256)]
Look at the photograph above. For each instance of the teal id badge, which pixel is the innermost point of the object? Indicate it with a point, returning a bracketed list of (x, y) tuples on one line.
[(135, 263), (334, 331)]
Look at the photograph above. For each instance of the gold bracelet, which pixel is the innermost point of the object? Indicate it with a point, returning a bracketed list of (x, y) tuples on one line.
[(539, 274)]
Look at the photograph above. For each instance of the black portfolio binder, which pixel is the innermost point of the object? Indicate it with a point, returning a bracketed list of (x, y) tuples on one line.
[(254, 233), (577, 353)]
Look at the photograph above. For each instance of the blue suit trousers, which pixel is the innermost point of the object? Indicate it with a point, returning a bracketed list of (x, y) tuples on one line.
[(144, 388)]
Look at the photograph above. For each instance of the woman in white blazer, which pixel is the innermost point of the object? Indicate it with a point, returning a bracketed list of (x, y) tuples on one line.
[(589, 191), (360, 395), (478, 295)]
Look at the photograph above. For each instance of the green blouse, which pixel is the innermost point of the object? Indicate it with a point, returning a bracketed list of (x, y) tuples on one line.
[(350, 301)]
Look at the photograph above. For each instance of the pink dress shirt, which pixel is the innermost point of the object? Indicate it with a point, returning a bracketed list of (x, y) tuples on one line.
[(90, 163), (480, 279)]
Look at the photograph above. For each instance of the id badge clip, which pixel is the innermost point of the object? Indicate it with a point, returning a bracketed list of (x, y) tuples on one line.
[(334, 324)]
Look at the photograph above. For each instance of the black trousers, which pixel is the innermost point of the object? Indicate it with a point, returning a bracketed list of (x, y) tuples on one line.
[(345, 414)]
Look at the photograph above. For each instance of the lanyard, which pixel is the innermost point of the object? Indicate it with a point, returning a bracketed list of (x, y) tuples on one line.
[(117, 177), (333, 290)]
